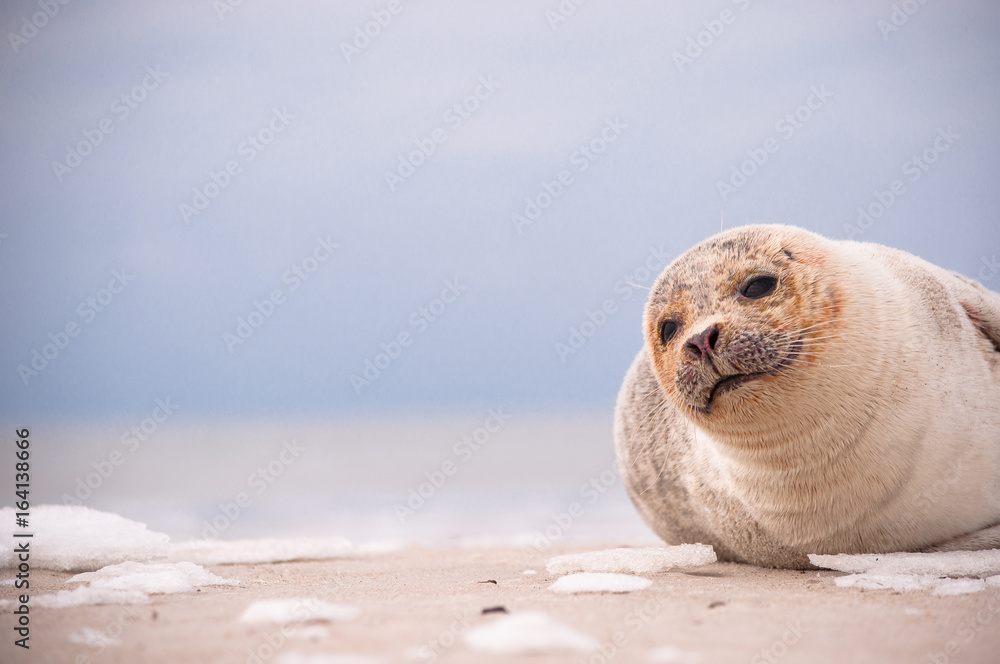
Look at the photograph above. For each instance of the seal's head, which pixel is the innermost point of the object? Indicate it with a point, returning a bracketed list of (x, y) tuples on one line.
[(734, 325)]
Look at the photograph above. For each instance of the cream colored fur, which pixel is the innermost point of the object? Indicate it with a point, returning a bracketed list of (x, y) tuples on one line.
[(882, 434)]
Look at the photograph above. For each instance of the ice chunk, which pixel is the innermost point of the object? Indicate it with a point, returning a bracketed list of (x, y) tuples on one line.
[(941, 586), (322, 658), (597, 582), (944, 563), (887, 581), (220, 552), (297, 609), (527, 632), (72, 538), (92, 637), (163, 578), (993, 581), (959, 586), (633, 561), (85, 595)]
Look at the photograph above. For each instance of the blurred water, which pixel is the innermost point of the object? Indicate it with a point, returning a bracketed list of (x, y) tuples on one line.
[(490, 476)]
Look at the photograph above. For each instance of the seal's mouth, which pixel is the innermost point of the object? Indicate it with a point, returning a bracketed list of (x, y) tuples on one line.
[(730, 383), (733, 365)]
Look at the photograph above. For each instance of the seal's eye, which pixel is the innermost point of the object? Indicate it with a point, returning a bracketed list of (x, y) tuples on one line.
[(758, 287), (667, 330)]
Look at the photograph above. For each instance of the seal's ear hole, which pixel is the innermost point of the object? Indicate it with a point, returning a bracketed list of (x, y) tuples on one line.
[(668, 329), (789, 254), (758, 287)]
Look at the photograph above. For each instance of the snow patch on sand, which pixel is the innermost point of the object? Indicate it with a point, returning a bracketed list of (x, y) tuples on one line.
[(72, 538), (297, 609), (633, 561), (130, 583), (152, 578), (945, 563), (527, 632), (599, 582)]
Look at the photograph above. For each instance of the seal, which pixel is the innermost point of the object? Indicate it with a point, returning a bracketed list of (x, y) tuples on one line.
[(798, 395)]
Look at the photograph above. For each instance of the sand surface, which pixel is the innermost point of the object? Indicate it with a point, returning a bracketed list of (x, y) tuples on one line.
[(419, 601)]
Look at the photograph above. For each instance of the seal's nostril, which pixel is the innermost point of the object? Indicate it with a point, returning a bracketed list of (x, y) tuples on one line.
[(713, 337), (703, 345)]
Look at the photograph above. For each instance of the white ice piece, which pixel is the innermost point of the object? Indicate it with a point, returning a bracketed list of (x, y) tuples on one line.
[(222, 552), (887, 581), (993, 581), (944, 563), (527, 632), (73, 538), (959, 586), (297, 609), (634, 561), (599, 582), (940, 586)]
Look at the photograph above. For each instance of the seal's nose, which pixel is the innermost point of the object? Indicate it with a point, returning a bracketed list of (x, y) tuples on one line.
[(702, 346)]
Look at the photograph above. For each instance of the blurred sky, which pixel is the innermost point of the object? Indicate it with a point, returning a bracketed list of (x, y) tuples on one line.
[(198, 80)]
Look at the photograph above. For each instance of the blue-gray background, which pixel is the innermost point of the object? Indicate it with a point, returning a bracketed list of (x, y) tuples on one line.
[(654, 189)]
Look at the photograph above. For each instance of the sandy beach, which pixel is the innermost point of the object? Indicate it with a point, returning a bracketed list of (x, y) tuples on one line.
[(417, 603)]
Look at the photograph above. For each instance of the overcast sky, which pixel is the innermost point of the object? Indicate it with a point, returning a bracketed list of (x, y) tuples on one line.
[(169, 169)]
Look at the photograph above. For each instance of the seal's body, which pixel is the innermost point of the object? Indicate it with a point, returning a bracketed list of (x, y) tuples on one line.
[(802, 395)]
